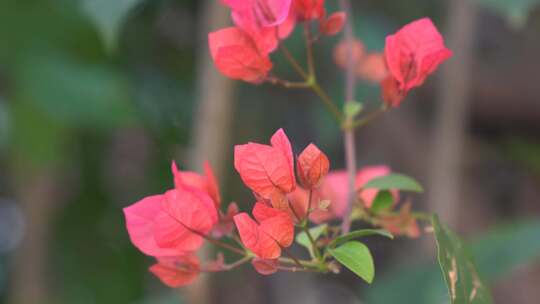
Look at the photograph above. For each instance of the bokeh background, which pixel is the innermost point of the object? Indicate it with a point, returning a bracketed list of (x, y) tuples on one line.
[(97, 97)]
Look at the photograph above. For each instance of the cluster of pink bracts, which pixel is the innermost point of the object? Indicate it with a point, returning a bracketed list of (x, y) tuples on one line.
[(172, 226), (243, 52)]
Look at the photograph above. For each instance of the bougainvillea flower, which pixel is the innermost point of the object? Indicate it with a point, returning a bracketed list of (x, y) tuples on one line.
[(333, 24), (402, 223), (264, 38), (414, 52), (372, 68), (141, 226), (237, 55), (364, 175), (392, 95), (309, 9), (188, 214), (341, 52), (265, 267), (285, 29), (334, 188), (267, 170), (312, 166), (173, 223), (206, 183), (267, 12), (176, 271), (272, 230), (225, 226)]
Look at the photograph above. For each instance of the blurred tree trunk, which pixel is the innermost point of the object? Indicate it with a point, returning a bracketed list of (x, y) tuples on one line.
[(212, 120), (38, 195), (452, 111)]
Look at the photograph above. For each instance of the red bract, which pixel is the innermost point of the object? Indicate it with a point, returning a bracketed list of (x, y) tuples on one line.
[(176, 271), (265, 267), (267, 170), (267, 13), (335, 189), (402, 223), (367, 196), (265, 237), (173, 223), (141, 226), (187, 215), (238, 56), (413, 53), (333, 24), (309, 9), (312, 166), (206, 183), (225, 226), (341, 52), (372, 68)]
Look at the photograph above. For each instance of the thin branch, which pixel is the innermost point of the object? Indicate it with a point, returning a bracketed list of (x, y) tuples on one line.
[(308, 233), (349, 140), (327, 101), (309, 50), (297, 67), (288, 84), (237, 263), (369, 118), (297, 269)]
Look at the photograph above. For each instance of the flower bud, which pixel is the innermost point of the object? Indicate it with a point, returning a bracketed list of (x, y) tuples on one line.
[(312, 166)]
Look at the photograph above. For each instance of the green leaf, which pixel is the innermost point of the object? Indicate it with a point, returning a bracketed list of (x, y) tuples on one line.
[(382, 201), (108, 17), (74, 93), (509, 247), (459, 272), (394, 181), (316, 232), (358, 234), (516, 12), (352, 108), (357, 258)]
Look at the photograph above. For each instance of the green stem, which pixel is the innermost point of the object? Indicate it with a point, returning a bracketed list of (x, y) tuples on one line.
[(293, 61), (309, 50), (314, 247), (311, 81), (327, 101), (368, 118)]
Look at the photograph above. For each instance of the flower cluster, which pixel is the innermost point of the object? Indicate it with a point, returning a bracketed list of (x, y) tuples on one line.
[(243, 52), (289, 192), (410, 56), (172, 226)]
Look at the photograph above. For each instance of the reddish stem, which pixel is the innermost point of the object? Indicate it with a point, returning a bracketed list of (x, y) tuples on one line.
[(348, 133)]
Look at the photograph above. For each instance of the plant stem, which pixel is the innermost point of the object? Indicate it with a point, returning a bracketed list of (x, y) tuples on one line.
[(240, 262), (288, 84), (296, 66), (308, 233), (295, 259), (327, 101), (296, 269), (212, 240), (309, 50), (348, 133), (369, 118), (310, 79), (225, 245)]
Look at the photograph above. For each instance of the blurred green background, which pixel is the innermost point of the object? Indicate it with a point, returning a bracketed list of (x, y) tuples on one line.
[(98, 96)]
